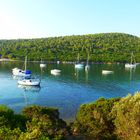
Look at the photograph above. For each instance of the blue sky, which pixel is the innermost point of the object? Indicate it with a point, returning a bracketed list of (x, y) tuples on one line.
[(49, 18)]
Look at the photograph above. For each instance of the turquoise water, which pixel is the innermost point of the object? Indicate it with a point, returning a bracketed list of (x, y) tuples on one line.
[(68, 90)]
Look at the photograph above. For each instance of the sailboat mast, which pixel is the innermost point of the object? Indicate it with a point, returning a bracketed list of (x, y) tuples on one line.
[(87, 58), (134, 59), (25, 63), (131, 58), (78, 58)]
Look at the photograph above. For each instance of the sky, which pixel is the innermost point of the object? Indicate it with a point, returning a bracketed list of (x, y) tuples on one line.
[(50, 18)]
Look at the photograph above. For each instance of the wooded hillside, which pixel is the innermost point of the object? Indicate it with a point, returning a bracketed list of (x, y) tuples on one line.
[(104, 47)]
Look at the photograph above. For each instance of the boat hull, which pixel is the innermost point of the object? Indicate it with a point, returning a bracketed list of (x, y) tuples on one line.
[(107, 72), (28, 83), (55, 72), (79, 66), (42, 65), (130, 65)]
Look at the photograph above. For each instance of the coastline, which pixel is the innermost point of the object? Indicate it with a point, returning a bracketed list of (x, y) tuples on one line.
[(63, 62)]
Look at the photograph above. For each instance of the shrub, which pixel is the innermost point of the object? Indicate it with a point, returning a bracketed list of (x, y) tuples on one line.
[(11, 120), (94, 119), (44, 121), (126, 114)]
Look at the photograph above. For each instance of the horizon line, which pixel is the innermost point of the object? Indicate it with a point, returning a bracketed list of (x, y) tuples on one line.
[(27, 38)]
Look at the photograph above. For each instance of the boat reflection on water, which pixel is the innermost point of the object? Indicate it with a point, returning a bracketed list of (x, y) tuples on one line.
[(30, 94), (86, 75), (30, 88), (131, 74), (19, 77)]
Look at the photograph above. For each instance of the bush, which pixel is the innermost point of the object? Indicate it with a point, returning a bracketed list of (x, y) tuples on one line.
[(44, 121), (126, 115), (8, 134), (94, 119), (36, 122), (11, 120)]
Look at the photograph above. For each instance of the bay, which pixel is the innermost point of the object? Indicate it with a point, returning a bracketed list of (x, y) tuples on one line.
[(68, 90)]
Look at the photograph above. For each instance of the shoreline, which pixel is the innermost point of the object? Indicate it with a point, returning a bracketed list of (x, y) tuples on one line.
[(61, 62)]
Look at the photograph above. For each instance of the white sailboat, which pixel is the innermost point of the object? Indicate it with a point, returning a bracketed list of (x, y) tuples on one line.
[(29, 82), (79, 65), (132, 64), (20, 72), (42, 65)]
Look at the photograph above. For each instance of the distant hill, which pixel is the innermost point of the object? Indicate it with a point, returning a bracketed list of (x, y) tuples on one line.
[(104, 47)]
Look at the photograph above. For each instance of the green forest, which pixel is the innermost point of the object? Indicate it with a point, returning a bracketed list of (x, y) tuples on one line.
[(104, 119), (103, 47)]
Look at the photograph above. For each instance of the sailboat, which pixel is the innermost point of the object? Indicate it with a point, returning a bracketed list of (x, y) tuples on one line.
[(29, 82), (132, 64), (87, 64), (20, 72), (79, 65), (42, 65)]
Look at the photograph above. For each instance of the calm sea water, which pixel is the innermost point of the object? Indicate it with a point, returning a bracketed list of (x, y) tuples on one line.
[(68, 90)]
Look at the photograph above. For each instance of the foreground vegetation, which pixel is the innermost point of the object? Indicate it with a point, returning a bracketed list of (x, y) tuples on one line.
[(105, 47), (116, 118)]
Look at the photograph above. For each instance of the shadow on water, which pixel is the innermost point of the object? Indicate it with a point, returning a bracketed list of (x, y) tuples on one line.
[(30, 88)]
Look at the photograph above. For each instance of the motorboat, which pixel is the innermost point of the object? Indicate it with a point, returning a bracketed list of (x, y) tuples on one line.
[(107, 72), (55, 72), (29, 82)]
